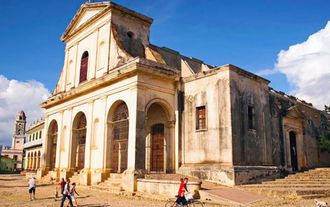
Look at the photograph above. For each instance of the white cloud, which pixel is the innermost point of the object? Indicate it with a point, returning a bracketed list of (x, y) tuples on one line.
[(15, 96), (267, 72), (307, 67)]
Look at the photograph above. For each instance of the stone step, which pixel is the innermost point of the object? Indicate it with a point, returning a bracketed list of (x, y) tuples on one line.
[(119, 180), (116, 175), (75, 178), (308, 178), (311, 176), (312, 196), (288, 186), (287, 192), (325, 191), (112, 183), (115, 190), (298, 182)]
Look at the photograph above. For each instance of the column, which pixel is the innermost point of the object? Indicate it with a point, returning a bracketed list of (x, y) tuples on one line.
[(58, 141), (33, 161), (37, 162), (44, 161), (89, 133), (132, 108), (130, 176), (28, 162), (176, 142)]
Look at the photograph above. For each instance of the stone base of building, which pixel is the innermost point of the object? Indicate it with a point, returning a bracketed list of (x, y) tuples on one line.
[(65, 173), (255, 174), (164, 187), (129, 179), (98, 176), (85, 177), (218, 173), (230, 175)]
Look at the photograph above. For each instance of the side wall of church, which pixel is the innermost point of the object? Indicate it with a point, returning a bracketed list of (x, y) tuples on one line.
[(313, 124), (207, 152), (212, 144), (252, 142)]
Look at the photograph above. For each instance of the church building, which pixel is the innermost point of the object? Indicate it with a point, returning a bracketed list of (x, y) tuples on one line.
[(15, 152), (125, 106)]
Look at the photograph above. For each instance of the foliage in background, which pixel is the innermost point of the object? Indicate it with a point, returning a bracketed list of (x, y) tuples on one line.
[(324, 139)]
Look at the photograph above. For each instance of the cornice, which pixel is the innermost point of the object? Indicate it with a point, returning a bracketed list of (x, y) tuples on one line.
[(134, 67)]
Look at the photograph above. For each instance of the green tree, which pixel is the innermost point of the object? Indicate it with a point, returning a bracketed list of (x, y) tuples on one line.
[(327, 108), (324, 139)]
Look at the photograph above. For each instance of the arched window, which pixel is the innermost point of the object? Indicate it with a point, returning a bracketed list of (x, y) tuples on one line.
[(83, 67), (120, 122)]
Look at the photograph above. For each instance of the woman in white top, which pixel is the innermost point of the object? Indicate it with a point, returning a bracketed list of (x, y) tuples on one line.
[(73, 191)]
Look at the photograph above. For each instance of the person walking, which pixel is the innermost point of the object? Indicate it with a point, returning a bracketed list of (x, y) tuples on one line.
[(66, 193), (32, 188), (73, 192), (62, 184)]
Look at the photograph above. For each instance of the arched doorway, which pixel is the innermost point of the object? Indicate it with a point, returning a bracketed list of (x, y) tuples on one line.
[(117, 137), (293, 151), (159, 139), (78, 142), (52, 144)]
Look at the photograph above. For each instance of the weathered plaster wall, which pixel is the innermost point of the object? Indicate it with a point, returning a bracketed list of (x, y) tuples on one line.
[(213, 144), (251, 147), (312, 124)]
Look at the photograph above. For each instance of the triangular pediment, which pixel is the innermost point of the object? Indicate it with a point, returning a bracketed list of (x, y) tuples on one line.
[(84, 15), (294, 112)]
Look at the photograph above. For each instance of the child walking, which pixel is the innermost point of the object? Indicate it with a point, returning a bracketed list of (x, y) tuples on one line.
[(73, 192)]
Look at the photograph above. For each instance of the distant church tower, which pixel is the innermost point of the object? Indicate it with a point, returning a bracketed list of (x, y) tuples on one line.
[(16, 150), (19, 131)]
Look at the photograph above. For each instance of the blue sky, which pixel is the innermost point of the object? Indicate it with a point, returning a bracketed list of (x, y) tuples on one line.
[(287, 40), (248, 34)]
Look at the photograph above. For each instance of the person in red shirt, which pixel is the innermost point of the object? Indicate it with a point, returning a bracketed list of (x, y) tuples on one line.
[(182, 189), (62, 184)]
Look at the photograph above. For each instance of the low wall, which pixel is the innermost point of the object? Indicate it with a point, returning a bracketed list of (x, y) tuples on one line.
[(222, 174), (255, 174), (164, 187), (230, 175)]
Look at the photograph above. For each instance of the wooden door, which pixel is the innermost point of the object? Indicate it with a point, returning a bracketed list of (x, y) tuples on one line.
[(53, 157), (114, 156), (157, 148), (80, 163)]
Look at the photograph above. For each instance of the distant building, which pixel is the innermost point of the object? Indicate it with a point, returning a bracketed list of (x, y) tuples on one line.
[(33, 146), (15, 152), (7, 164)]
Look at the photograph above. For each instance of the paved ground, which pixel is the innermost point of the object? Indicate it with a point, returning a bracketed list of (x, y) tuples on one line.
[(13, 193)]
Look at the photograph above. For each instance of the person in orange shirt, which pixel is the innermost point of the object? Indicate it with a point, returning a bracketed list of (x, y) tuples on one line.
[(182, 189)]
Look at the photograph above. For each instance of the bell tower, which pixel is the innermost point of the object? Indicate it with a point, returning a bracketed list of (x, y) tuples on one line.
[(19, 131)]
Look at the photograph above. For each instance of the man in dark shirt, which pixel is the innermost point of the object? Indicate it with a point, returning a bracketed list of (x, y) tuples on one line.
[(66, 193)]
